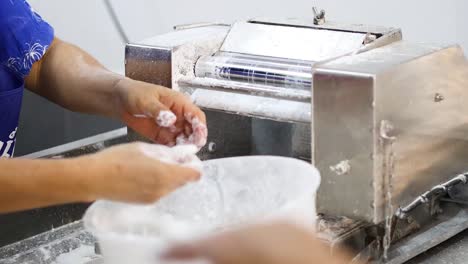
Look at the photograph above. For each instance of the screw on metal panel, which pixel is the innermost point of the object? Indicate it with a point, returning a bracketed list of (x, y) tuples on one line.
[(319, 17), (386, 128), (438, 98), (211, 147)]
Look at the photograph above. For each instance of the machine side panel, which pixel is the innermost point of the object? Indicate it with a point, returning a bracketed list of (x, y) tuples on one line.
[(149, 64), (343, 143), (416, 127), (423, 106)]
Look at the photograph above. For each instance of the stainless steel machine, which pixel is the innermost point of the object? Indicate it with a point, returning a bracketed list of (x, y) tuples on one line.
[(384, 120)]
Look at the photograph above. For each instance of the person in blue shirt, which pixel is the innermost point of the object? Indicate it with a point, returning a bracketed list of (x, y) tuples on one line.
[(32, 57)]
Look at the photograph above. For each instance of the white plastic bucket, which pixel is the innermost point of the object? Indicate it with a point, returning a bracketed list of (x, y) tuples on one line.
[(231, 192)]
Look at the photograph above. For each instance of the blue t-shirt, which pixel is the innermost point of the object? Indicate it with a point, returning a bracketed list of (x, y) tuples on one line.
[(24, 39)]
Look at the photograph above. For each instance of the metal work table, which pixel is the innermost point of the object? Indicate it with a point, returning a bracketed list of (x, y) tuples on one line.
[(67, 244), (454, 251), (71, 244)]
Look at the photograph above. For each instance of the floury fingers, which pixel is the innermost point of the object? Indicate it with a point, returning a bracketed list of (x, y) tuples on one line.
[(199, 133), (184, 155), (166, 118)]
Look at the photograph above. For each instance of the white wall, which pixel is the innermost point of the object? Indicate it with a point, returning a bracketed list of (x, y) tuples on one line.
[(85, 22)]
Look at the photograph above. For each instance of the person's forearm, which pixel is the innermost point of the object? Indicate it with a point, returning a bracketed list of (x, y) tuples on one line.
[(27, 184), (73, 79)]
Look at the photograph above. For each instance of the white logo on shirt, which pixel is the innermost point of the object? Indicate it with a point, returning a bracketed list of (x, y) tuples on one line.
[(23, 65), (5, 147)]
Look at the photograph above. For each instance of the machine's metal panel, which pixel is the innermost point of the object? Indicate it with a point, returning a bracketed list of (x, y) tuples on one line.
[(343, 143), (424, 102), (165, 58), (290, 42), (229, 135), (384, 35), (142, 62), (378, 60), (395, 114)]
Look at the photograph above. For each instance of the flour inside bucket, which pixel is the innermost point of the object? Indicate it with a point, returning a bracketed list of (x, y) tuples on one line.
[(231, 192)]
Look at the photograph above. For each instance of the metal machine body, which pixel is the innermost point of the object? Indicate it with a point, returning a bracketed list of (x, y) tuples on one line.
[(396, 112), (378, 116)]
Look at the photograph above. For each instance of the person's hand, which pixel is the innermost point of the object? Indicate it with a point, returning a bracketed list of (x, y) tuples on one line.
[(160, 114), (277, 243), (139, 172)]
